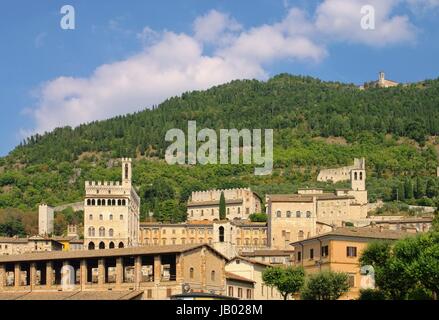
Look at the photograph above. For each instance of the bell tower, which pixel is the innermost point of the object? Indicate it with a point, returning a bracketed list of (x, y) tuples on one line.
[(358, 179), (126, 172)]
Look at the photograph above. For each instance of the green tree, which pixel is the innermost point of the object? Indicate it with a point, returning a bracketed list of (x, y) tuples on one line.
[(287, 281), (408, 188), (12, 227), (258, 217), (222, 207), (325, 285)]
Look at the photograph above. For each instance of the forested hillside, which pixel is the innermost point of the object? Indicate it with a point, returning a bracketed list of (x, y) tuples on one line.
[(317, 124)]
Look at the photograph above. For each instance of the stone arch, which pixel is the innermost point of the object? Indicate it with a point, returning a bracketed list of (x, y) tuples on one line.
[(101, 245), (111, 245), (221, 234), (121, 245), (91, 246)]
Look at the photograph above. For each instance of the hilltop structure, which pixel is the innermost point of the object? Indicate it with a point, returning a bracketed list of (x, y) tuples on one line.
[(111, 212), (382, 82)]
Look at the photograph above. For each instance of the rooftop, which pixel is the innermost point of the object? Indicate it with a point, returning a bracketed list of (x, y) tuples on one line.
[(79, 254), (236, 277)]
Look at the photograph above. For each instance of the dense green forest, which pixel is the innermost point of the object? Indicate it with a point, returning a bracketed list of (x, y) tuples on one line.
[(317, 124)]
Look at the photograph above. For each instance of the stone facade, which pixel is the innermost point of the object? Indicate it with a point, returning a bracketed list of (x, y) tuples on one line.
[(14, 246), (45, 220), (228, 237), (111, 212), (240, 203), (341, 173)]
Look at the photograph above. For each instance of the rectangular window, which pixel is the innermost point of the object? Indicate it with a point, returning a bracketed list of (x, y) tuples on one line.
[(149, 294), (239, 292), (351, 280), (299, 256), (249, 293), (325, 251), (230, 291), (351, 252), (311, 254)]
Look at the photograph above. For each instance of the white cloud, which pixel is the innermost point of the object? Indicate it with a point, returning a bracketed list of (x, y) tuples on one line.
[(341, 21), (172, 63)]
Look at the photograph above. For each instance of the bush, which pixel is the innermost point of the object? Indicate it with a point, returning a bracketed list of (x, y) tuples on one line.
[(258, 217), (371, 294)]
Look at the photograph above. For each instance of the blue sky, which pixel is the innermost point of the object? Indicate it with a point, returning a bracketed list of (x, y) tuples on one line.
[(125, 56)]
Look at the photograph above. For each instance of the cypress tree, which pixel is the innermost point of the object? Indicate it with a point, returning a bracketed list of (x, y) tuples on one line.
[(222, 207)]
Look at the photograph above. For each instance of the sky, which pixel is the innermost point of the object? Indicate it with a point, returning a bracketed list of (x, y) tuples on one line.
[(124, 56)]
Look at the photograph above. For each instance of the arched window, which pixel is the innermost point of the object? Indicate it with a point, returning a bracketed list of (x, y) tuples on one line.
[(308, 214), (212, 275), (300, 234), (110, 232), (228, 210), (121, 217), (111, 217), (101, 217), (355, 176), (124, 202), (278, 214), (101, 245), (99, 202), (119, 202), (126, 171), (288, 214), (361, 175), (202, 212), (221, 234), (101, 232), (91, 246), (121, 245), (111, 246), (103, 202), (113, 202), (298, 214), (93, 202), (91, 232), (90, 217), (239, 210), (191, 273), (88, 202), (212, 212)]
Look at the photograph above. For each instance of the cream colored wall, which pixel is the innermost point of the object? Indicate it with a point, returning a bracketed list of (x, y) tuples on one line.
[(253, 272), (286, 230), (236, 285)]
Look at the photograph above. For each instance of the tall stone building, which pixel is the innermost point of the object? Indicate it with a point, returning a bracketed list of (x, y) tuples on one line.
[(111, 212), (294, 217), (45, 219), (240, 203)]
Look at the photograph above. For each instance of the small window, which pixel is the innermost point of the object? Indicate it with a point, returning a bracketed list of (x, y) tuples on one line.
[(249, 293), (299, 256), (239, 292), (212, 275), (308, 214), (311, 254), (325, 251), (121, 217), (288, 214), (191, 273), (351, 252), (351, 280), (297, 214), (230, 291), (278, 214), (90, 217), (101, 217), (111, 217)]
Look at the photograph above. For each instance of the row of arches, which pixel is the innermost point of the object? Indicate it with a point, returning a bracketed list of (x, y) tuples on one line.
[(106, 202), (111, 245), (92, 232)]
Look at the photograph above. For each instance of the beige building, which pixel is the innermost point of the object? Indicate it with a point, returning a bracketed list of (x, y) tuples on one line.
[(156, 272), (271, 256), (239, 287), (382, 82), (342, 173), (17, 246), (340, 251), (252, 270), (240, 203), (111, 212), (310, 212), (228, 237)]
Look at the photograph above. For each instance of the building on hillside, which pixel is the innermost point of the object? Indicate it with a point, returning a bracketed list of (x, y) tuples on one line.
[(45, 219), (382, 82), (342, 173), (294, 217), (111, 212), (239, 287), (17, 246), (252, 270), (228, 237), (157, 272), (340, 250), (240, 203), (407, 224)]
